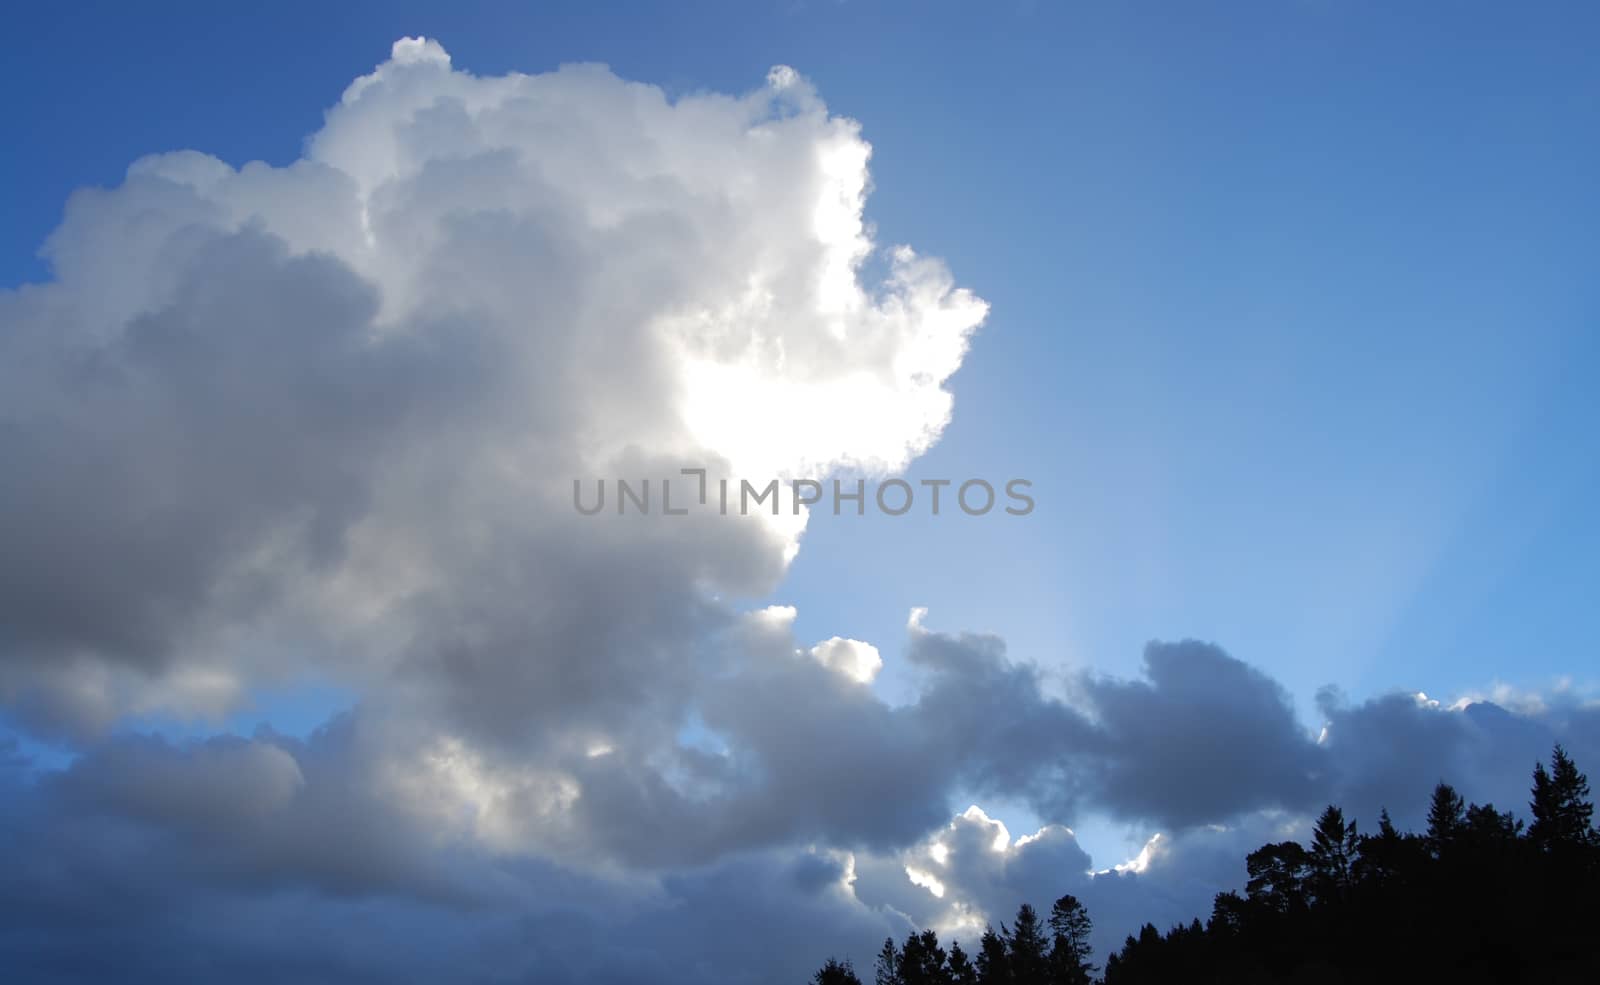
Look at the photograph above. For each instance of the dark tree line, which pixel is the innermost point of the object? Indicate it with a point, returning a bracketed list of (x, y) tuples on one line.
[(1029, 952), (1478, 897)]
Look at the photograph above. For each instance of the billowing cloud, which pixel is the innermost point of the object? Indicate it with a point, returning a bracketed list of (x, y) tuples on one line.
[(1201, 738), (472, 869), (854, 659), (331, 412), (322, 421)]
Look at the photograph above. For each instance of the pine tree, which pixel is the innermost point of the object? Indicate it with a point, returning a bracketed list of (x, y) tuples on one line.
[(1562, 812), (922, 960), (836, 973), (962, 970), (1382, 855), (1227, 916), (1486, 827), (887, 971), (1070, 950), (1026, 944), (1278, 875), (1333, 852), (1446, 815), (1472, 901), (994, 962)]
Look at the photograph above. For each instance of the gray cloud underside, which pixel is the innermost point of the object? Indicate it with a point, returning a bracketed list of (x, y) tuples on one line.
[(167, 857)]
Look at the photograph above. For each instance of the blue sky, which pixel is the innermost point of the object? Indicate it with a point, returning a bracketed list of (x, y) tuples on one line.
[(1293, 317)]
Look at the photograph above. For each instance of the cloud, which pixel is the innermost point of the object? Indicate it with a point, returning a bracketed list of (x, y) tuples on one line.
[(328, 414), (451, 867), (854, 659), (1203, 737), (321, 421), (1389, 751)]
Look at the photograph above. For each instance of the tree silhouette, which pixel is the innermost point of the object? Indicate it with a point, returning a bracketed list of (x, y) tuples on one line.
[(1486, 827), (1381, 857), (1278, 876), (835, 973), (922, 961), (994, 961), (1446, 815), (1333, 851), (1027, 947), (1070, 952), (961, 969), (1477, 899), (1562, 813), (887, 970)]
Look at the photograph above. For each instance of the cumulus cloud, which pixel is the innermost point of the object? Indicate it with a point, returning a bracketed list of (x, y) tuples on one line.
[(834, 834), (334, 408), (323, 419), (854, 659), (1202, 737), (1387, 751)]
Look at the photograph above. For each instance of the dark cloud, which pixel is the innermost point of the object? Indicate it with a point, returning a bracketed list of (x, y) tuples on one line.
[(1388, 752), (1202, 738), (143, 849)]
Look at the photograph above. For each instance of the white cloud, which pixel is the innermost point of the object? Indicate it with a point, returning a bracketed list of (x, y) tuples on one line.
[(332, 410), (854, 659), (1141, 862)]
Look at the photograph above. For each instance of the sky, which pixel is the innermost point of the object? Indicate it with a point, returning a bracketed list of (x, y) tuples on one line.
[(1285, 311)]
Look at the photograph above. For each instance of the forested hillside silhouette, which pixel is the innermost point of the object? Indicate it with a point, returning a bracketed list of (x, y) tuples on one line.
[(1478, 897)]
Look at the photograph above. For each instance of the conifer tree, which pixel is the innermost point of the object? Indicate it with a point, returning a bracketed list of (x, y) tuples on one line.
[(1562, 812), (1473, 901), (1382, 855), (1027, 947), (962, 970), (1487, 827), (994, 962), (1070, 951), (922, 960), (887, 971), (1446, 815), (835, 972), (1278, 875), (1333, 853)]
